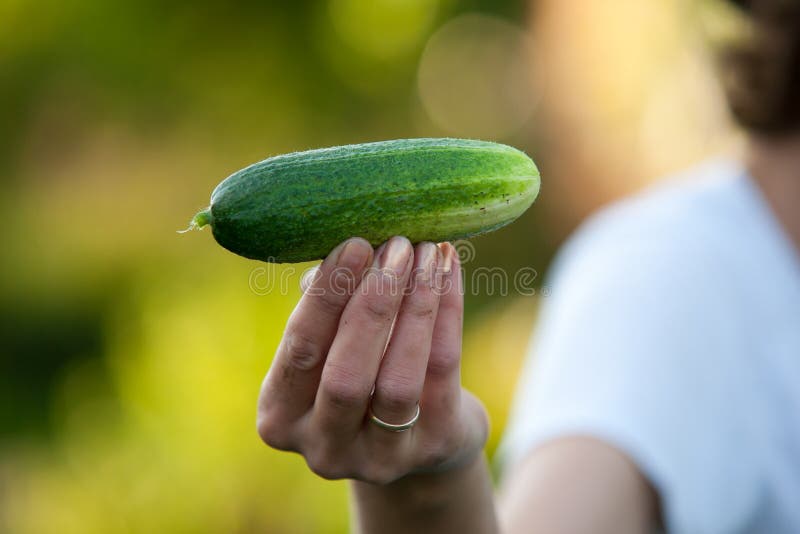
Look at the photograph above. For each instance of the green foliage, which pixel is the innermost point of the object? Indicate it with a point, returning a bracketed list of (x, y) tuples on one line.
[(131, 358)]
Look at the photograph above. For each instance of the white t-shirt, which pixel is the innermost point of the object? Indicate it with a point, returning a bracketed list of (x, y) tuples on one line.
[(672, 332)]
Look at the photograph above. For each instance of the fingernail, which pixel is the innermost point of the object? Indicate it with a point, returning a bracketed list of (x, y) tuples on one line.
[(379, 254), (397, 254), (447, 251), (428, 255), (354, 255)]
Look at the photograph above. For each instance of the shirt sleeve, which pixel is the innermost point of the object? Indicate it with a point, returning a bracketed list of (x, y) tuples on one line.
[(637, 345)]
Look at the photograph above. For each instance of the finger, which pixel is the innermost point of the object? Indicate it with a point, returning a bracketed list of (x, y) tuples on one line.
[(353, 361), (442, 389), (291, 383), (398, 387)]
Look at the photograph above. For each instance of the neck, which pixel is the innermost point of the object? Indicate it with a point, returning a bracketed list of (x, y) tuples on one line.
[(774, 163)]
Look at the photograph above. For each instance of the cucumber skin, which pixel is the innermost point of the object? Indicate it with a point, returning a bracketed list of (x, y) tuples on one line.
[(297, 207)]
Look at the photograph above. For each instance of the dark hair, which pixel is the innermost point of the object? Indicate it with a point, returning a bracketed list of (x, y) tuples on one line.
[(762, 74)]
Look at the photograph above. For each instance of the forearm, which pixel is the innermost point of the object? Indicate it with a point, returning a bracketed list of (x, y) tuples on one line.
[(457, 501)]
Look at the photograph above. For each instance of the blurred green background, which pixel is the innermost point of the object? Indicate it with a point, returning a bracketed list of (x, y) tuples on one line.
[(131, 356)]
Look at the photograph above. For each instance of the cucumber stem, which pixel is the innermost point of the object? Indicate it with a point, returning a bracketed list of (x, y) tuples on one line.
[(200, 220)]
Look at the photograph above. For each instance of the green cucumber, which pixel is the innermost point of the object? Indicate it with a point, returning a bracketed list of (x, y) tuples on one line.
[(298, 207)]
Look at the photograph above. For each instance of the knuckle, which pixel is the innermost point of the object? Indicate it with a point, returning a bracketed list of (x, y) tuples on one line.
[(442, 450), (444, 363), (343, 397), (325, 467), (331, 302), (302, 351), (343, 391), (483, 424), (273, 433), (420, 307), (379, 308), (397, 395)]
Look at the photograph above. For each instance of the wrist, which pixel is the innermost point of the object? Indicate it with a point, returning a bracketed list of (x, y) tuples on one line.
[(423, 493)]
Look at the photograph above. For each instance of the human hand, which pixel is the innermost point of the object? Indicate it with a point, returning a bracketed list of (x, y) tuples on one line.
[(389, 320)]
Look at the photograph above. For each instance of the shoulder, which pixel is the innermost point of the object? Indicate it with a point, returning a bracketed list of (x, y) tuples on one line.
[(674, 241), (641, 278), (688, 215)]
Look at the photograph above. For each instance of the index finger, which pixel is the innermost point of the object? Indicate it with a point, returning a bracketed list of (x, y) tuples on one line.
[(291, 383)]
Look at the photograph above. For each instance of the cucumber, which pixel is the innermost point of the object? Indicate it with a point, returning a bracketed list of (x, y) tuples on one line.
[(298, 207)]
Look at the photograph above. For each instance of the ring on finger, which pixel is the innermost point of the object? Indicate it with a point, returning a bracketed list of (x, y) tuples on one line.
[(402, 427)]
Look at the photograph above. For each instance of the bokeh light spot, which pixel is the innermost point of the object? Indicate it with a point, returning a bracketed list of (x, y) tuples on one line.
[(475, 77), (382, 29)]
